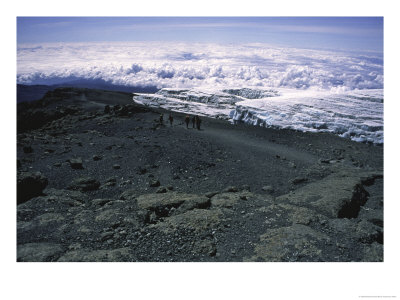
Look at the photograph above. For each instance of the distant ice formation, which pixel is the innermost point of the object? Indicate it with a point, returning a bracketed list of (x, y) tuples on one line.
[(357, 115)]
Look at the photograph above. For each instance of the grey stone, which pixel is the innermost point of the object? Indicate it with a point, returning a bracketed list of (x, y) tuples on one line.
[(363, 231), (268, 188), (291, 243), (107, 214), (231, 189), (84, 184), (374, 216), (38, 252), (245, 187), (196, 220), (299, 180), (101, 202), (154, 183), (206, 246), (97, 157), (162, 204), (373, 253), (228, 200), (130, 195), (86, 255), (366, 232), (161, 189), (301, 215), (111, 179), (106, 236), (75, 195), (211, 194)]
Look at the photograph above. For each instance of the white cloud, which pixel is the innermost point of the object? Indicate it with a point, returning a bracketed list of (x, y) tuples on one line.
[(195, 65)]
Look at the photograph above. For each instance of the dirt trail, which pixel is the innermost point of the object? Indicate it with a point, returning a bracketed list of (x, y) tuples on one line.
[(248, 145)]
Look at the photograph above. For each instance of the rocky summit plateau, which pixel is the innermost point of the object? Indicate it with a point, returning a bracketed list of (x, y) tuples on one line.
[(100, 178)]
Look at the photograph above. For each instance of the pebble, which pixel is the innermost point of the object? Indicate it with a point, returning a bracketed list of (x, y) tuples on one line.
[(268, 189), (154, 183), (96, 157), (106, 235), (161, 190)]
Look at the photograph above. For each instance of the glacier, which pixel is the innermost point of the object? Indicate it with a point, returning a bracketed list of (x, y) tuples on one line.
[(355, 114)]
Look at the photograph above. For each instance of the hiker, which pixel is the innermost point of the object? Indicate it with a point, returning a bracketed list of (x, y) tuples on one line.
[(187, 120), (171, 119), (161, 118), (194, 120), (198, 122)]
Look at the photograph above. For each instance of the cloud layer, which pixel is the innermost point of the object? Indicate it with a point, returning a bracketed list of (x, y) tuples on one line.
[(187, 65)]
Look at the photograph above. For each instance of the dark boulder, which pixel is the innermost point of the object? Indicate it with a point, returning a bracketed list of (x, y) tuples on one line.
[(76, 163), (30, 185)]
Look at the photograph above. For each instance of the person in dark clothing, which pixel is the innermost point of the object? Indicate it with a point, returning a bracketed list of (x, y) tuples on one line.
[(198, 122), (171, 119), (194, 120), (187, 120), (161, 118)]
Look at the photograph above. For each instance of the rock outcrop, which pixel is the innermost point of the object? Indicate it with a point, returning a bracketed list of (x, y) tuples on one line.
[(337, 196)]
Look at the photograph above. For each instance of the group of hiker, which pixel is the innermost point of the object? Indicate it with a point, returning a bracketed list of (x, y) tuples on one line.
[(196, 121)]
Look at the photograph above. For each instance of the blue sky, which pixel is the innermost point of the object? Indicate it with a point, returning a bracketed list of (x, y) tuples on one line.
[(336, 33)]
